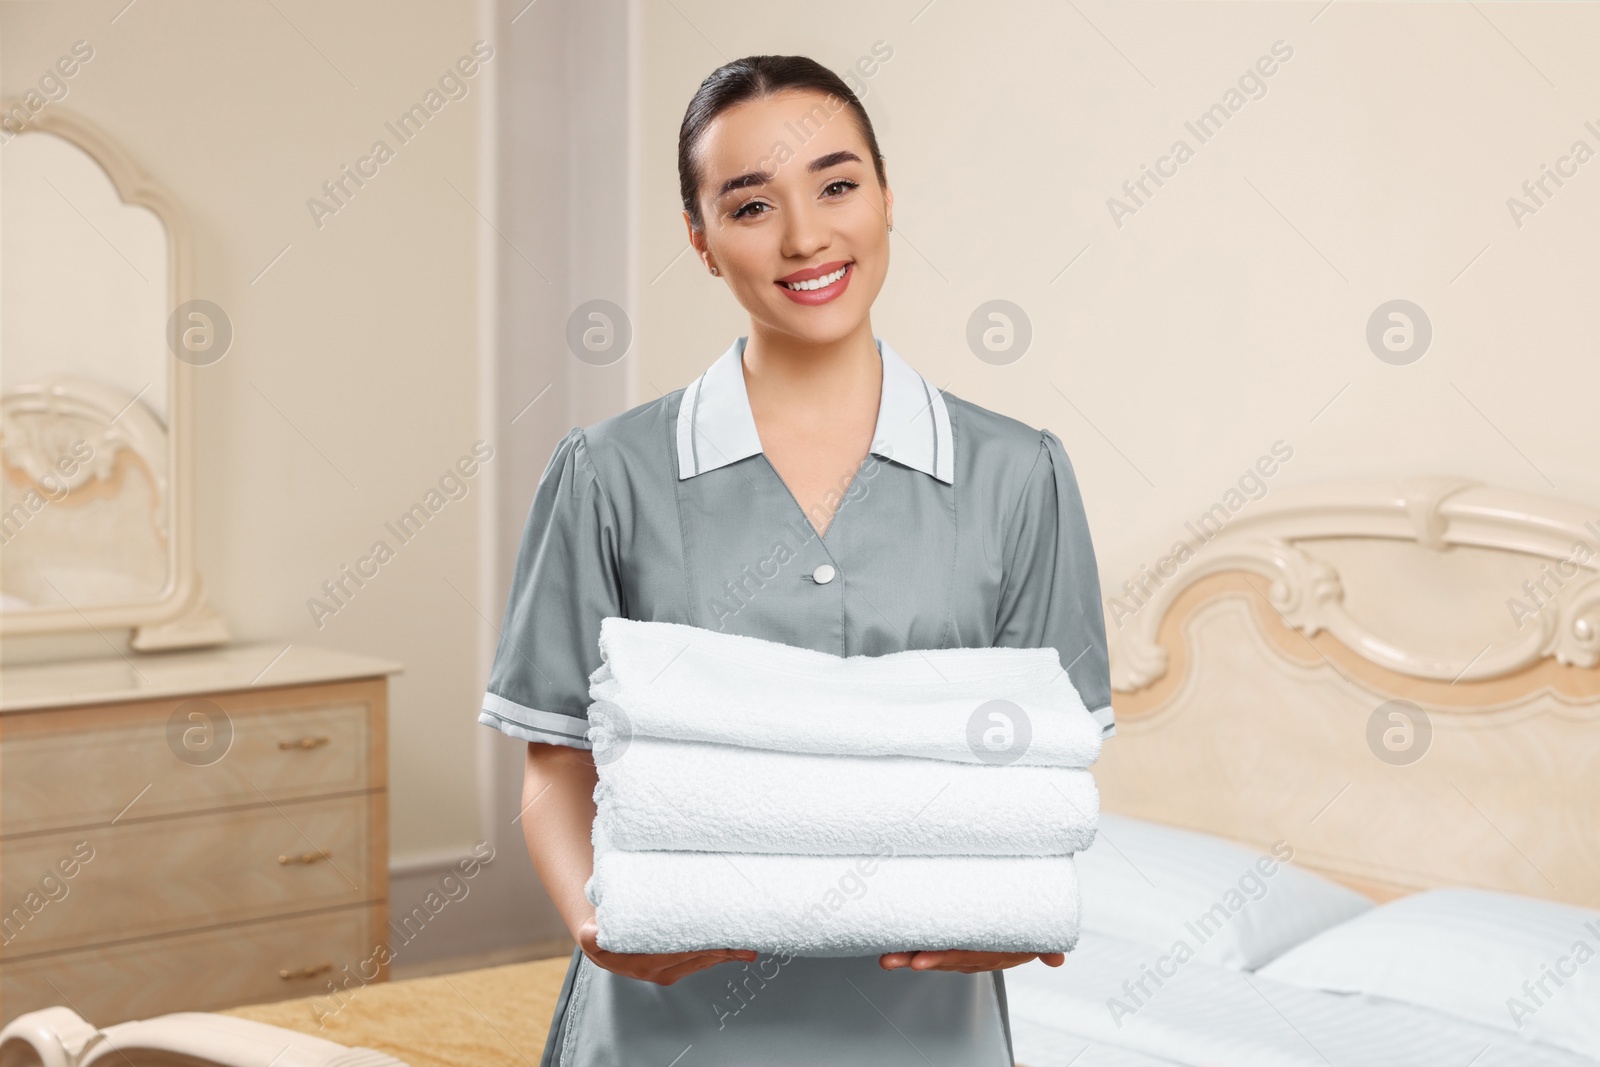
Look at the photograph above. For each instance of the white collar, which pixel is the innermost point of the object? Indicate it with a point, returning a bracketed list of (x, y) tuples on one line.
[(715, 426)]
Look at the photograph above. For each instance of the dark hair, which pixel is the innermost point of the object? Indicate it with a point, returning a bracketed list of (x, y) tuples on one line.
[(753, 78)]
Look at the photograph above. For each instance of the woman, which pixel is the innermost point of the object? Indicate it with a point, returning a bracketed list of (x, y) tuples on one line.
[(809, 488)]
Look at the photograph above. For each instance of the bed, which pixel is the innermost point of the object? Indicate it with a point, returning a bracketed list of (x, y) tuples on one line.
[(1399, 678), (1380, 697)]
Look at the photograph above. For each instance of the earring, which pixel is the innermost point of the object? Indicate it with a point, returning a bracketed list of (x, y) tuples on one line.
[(889, 228), (715, 272)]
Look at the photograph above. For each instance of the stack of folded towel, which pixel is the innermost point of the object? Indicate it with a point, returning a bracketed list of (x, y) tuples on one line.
[(760, 796)]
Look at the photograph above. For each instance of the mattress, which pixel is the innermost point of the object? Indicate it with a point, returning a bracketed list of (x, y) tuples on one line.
[(1207, 1014)]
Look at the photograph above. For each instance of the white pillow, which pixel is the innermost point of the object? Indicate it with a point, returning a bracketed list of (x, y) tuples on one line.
[(1195, 896), (1528, 966)]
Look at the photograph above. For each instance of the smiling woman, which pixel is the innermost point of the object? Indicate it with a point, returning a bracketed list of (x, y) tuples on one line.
[(764, 228), (973, 535), (803, 243)]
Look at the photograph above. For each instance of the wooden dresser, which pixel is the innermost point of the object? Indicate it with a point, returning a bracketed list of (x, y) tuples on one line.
[(191, 831)]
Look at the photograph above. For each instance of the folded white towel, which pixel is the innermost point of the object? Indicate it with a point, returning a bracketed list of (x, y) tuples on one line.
[(832, 905), (684, 795), (969, 705)]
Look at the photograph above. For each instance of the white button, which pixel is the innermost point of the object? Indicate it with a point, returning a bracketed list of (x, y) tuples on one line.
[(823, 574)]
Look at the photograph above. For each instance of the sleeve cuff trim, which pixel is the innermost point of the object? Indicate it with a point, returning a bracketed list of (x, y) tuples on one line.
[(571, 727), (525, 733), (1103, 716)]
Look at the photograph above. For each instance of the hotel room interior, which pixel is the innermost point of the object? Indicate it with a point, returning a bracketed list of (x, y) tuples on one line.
[(276, 400)]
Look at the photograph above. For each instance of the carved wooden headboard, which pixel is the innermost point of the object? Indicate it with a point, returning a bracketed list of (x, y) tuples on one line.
[(1397, 678)]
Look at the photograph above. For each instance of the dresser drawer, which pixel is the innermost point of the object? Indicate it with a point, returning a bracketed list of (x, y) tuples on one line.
[(87, 767), (202, 972), (139, 879)]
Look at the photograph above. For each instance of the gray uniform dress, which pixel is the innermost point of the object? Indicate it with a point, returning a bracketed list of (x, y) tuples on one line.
[(961, 528)]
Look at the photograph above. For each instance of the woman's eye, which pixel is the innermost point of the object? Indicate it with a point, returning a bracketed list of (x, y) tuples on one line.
[(747, 212), (843, 184)]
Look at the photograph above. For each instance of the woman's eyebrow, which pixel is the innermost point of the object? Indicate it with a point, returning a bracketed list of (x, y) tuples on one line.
[(757, 177)]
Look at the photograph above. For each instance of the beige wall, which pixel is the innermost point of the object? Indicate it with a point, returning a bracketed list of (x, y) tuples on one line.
[(352, 384), (1229, 311)]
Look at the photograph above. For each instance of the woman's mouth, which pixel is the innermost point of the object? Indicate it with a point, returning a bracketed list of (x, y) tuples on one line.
[(819, 289)]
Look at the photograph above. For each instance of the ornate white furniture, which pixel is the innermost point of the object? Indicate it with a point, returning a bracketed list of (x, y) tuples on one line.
[(101, 338), (1397, 678), (191, 831), (57, 1037)]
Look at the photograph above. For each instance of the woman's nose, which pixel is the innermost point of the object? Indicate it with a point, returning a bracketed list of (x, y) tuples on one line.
[(804, 233)]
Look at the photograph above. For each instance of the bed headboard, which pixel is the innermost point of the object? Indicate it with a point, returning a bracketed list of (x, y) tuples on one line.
[(1397, 678)]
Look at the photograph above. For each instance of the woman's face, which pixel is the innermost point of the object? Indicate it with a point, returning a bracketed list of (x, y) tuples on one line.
[(789, 195)]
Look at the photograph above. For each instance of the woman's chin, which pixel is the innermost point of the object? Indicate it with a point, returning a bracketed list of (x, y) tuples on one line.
[(823, 323), (822, 329)]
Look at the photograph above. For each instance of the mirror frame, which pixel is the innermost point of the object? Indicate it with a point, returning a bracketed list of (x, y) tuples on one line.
[(180, 616)]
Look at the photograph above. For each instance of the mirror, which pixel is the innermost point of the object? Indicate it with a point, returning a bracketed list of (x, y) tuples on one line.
[(94, 463)]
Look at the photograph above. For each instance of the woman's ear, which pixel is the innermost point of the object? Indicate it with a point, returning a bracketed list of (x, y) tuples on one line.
[(697, 239), (888, 199)]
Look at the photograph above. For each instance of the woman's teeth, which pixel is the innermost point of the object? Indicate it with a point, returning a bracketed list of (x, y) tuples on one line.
[(817, 283)]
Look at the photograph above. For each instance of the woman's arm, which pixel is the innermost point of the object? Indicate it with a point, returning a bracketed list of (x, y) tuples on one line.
[(557, 815)]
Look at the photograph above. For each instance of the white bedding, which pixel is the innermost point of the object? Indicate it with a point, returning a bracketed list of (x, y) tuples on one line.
[(1081, 1053), (1206, 1015)]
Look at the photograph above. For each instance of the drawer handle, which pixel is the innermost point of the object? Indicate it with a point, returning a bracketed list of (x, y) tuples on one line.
[(305, 858), (305, 972), (303, 743)]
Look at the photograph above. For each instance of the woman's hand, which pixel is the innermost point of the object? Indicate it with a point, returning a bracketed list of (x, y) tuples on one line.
[(967, 962), (661, 968)]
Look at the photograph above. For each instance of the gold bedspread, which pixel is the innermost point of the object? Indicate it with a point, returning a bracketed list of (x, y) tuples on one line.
[(494, 1017)]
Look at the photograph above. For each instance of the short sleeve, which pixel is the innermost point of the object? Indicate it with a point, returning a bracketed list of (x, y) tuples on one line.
[(1051, 585), (565, 581)]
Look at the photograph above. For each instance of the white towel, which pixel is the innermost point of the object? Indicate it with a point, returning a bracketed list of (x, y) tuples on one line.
[(832, 905), (681, 795), (1008, 706)]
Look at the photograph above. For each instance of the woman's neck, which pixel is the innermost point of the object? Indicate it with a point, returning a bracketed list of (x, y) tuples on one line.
[(809, 375)]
